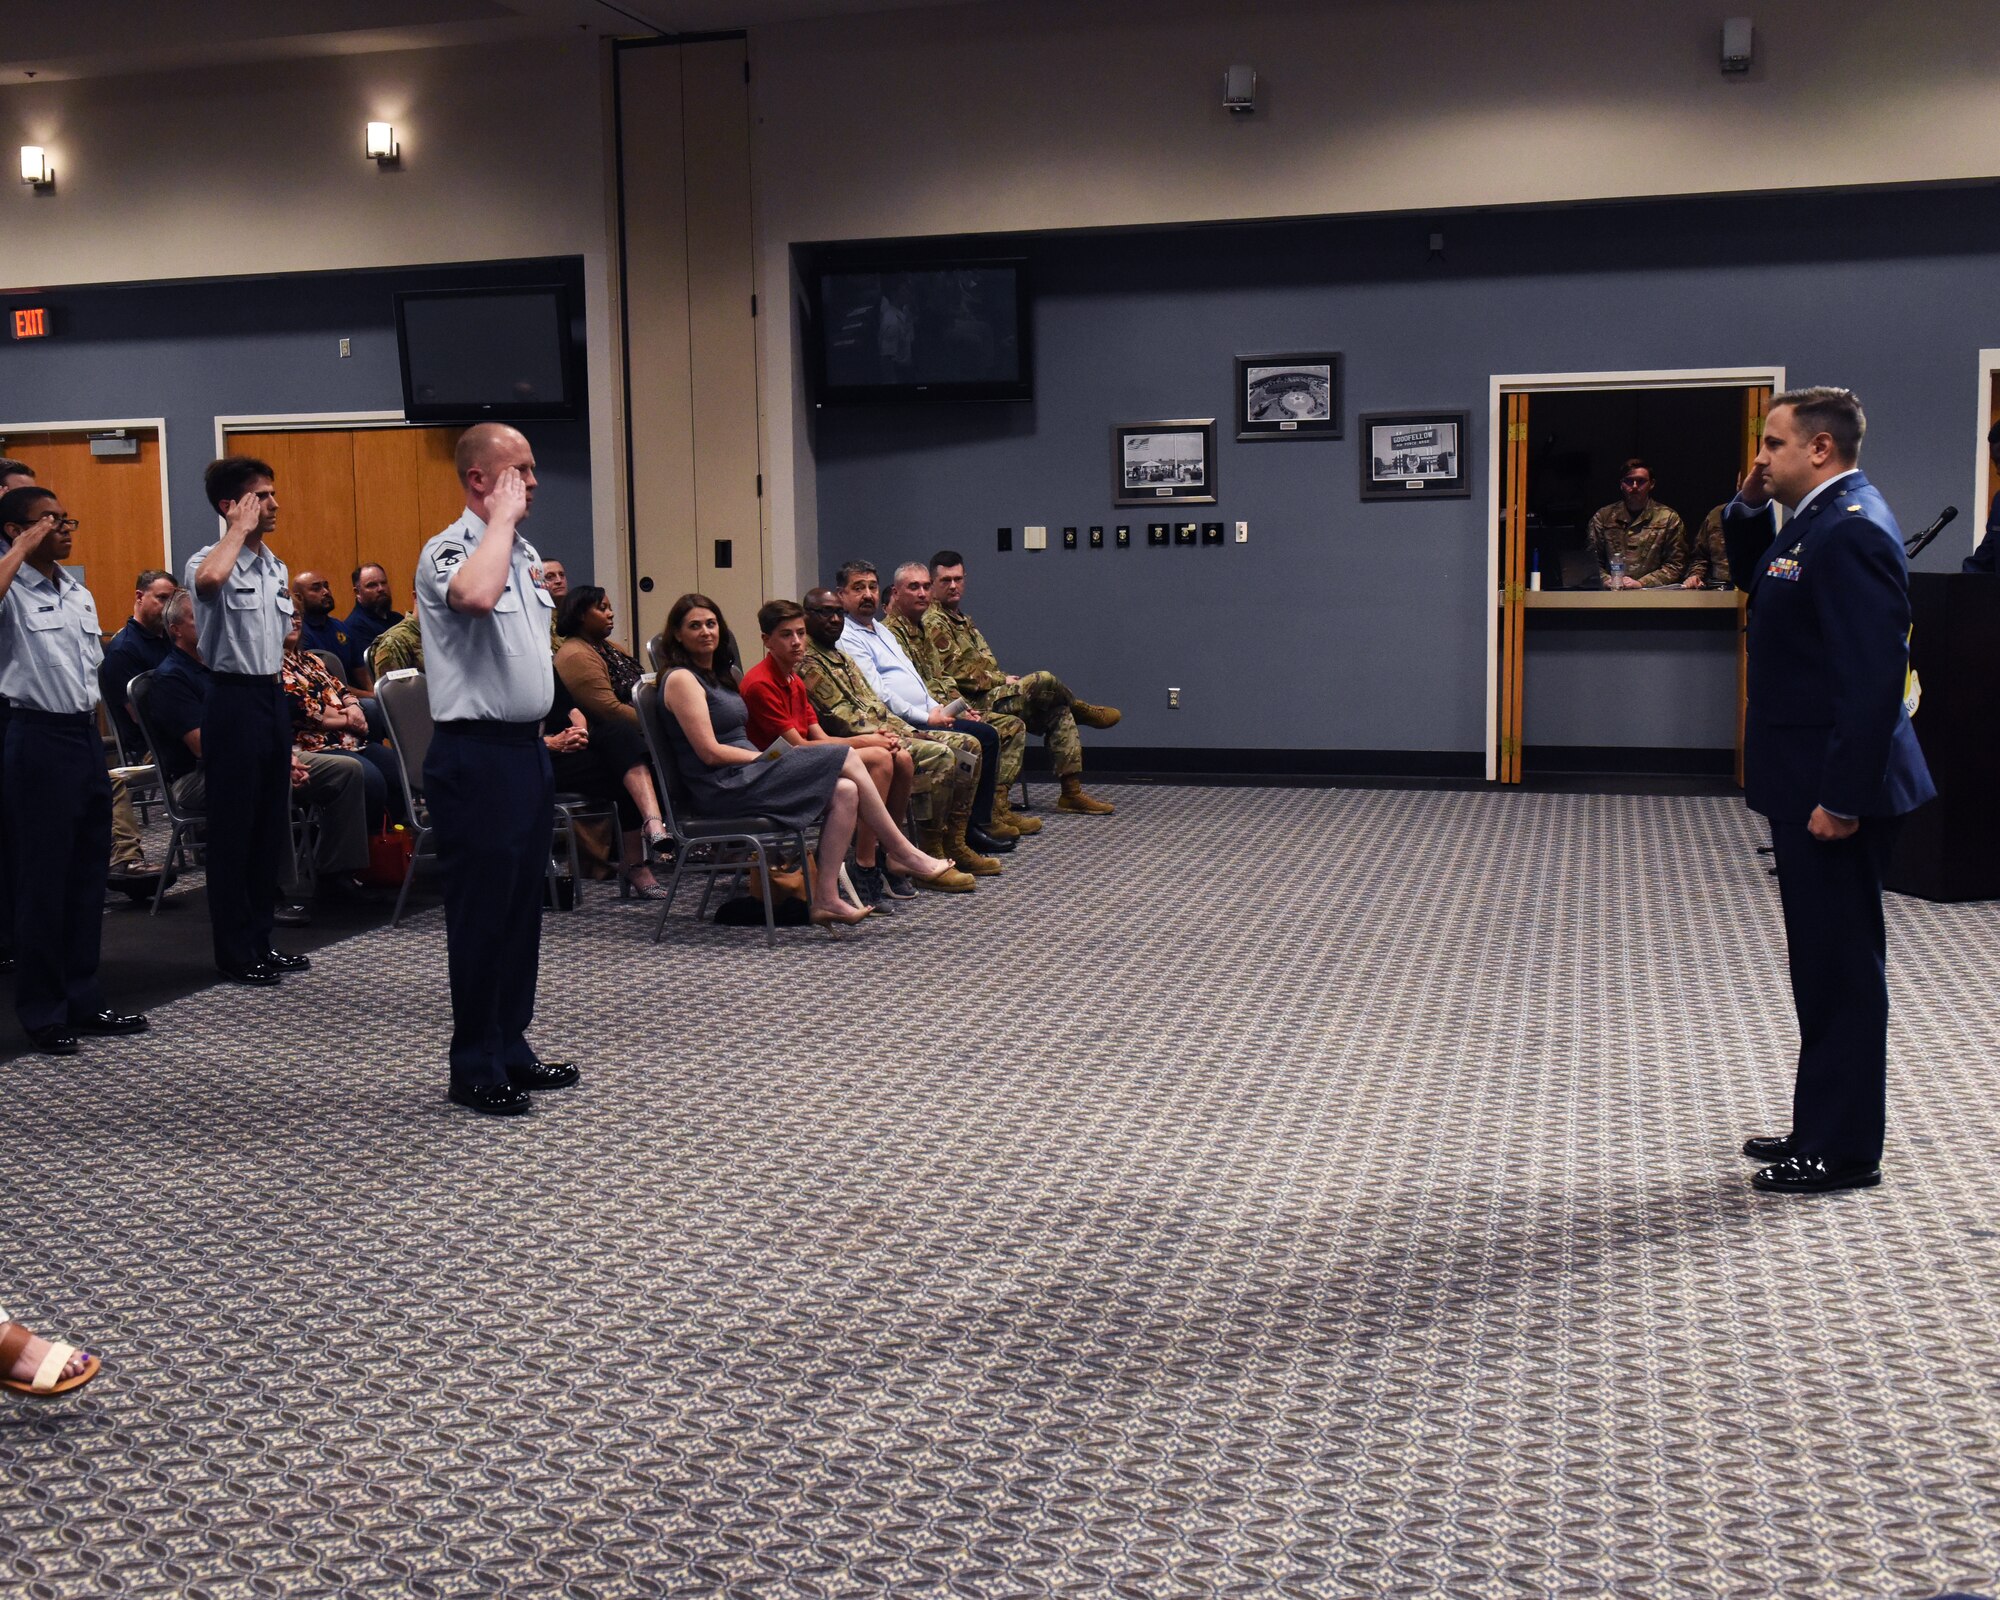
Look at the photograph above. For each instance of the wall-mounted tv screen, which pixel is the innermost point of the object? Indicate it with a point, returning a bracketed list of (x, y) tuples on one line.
[(905, 330), (487, 355)]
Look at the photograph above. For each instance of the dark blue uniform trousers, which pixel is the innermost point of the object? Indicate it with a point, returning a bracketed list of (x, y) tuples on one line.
[(57, 796), (6, 852), (989, 766), (246, 754), (491, 798), (1832, 894)]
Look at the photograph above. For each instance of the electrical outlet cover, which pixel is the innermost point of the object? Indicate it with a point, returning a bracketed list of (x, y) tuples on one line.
[(1034, 538)]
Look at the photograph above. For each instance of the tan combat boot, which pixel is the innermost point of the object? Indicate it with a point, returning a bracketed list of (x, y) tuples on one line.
[(1004, 812), (1073, 799), (931, 840), (961, 854), (1095, 716)]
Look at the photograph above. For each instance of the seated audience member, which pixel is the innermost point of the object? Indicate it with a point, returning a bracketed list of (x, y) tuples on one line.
[(141, 645), (1708, 559), (15, 474), (327, 718), (1985, 557), (1039, 699), (1649, 540), (945, 763), (399, 648), (374, 614), (594, 682), (727, 776), (555, 580), (779, 708), (901, 687), (312, 597), (333, 786)]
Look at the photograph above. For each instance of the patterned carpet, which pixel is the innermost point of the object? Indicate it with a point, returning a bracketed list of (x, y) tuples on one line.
[(1262, 1192)]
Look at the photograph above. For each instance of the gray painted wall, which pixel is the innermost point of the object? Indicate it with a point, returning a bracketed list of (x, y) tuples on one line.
[(191, 352), (1351, 626)]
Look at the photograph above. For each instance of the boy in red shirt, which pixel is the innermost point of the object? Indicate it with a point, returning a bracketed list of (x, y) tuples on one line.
[(778, 707)]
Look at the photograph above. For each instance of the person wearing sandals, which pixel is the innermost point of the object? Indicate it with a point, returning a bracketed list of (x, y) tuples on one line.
[(596, 679), (52, 774), (727, 776), (32, 1365)]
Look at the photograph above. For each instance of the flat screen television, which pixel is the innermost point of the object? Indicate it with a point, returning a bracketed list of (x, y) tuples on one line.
[(898, 329), (487, 355)]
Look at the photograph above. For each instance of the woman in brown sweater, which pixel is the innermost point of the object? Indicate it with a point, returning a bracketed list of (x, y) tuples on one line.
[(595, 678)]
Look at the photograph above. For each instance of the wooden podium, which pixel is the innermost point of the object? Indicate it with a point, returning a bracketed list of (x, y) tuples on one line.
[(1950, 849)]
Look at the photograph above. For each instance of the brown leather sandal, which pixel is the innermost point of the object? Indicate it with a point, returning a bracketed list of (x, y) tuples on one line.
[(48, 1379)]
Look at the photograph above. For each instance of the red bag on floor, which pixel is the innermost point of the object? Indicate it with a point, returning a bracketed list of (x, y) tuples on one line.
[(389, 856)]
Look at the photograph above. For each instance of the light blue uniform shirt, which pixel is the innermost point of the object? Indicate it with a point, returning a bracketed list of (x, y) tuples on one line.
[(243, 628), (50, 646), (889, 671), (496, 668)]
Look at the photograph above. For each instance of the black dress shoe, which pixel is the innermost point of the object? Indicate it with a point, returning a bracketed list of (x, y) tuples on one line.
[(543, 1075), (260, 974), (6, 961), (53, 1041), (108, 1024), (1770, 1149), (278, 961), (494, 1099), (291, 914), (985, 843), (1798, 1174)]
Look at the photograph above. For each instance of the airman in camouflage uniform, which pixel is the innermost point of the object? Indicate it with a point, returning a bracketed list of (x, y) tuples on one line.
[(1039, 699), (1708, 561), (1651, 540), (399, 646)]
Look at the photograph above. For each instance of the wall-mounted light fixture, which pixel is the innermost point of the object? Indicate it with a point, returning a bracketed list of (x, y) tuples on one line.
[(35, 168), (382, 147)]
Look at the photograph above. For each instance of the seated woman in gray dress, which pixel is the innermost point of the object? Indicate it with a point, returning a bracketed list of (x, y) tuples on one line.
[(823, 783)]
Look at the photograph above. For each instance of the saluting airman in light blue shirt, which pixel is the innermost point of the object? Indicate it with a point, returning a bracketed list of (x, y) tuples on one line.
[(493, 666), (243, 623), (50, 647)]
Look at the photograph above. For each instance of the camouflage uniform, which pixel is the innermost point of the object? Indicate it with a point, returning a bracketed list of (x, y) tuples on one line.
[(1654, 544), (1038, 700), (1709, 561), (1013, 732), (399, 646), (947, 763)]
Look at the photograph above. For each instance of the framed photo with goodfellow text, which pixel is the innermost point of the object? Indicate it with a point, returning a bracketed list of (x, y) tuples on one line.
[(1414, 455)]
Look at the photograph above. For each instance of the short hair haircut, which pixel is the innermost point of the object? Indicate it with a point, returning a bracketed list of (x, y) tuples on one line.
[(584, 597), (151, 576), (947, 558), (228, 478), (17, 505), (1635, 464), (354, 577), (10, 468), (911, 566), (1833, 412), (723, 673), (847, 571), (179, 607), (773, 614)]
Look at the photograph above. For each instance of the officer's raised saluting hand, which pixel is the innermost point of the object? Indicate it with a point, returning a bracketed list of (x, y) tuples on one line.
[(39, 539), (1752, 490), (507, 501)]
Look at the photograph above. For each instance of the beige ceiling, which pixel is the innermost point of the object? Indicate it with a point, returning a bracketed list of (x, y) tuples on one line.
[(97, 38)]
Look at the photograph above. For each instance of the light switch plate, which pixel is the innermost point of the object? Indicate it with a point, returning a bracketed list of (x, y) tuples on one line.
[(1034, 538)]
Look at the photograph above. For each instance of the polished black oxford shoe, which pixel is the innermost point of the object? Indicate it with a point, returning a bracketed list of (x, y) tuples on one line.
[(985, 843), (53, 1041), (1770, 1149), (109, 1024), (543, 1075), (259, 974), (493, 1099), (1798, 1174), (278, 961)]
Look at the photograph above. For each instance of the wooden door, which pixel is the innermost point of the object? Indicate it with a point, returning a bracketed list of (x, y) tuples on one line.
[(313, 474), (1756, 402), (1513, 585), (116, 499)]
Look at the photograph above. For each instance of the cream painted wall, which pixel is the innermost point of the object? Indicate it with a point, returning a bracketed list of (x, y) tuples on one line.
[(260, 170), (1048, 114)]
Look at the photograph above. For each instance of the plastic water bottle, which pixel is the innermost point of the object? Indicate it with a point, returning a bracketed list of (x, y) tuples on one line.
[(1535, 573), (1617, 573)]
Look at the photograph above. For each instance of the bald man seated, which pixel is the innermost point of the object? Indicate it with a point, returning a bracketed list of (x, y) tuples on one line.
[(319, 629)]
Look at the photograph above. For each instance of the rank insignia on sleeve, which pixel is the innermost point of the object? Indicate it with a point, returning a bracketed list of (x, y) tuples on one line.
[(1855, 507), (449, 556)]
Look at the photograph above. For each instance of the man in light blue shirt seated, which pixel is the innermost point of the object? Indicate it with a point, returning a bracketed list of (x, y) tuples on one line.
[(892, 675)]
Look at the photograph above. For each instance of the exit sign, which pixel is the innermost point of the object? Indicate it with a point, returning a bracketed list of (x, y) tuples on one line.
[(31, 322)]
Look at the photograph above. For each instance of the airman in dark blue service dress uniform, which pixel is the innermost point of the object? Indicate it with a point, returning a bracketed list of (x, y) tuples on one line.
[(1830, 758), (53, 782), (487, 781)]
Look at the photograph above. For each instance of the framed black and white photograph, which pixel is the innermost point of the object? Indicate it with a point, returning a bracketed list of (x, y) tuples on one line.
[(1163, 463), (1288, 397), (1414, 455)]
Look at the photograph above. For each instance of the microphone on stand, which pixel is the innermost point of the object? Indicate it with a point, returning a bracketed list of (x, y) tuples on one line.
[(1911, 550)]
